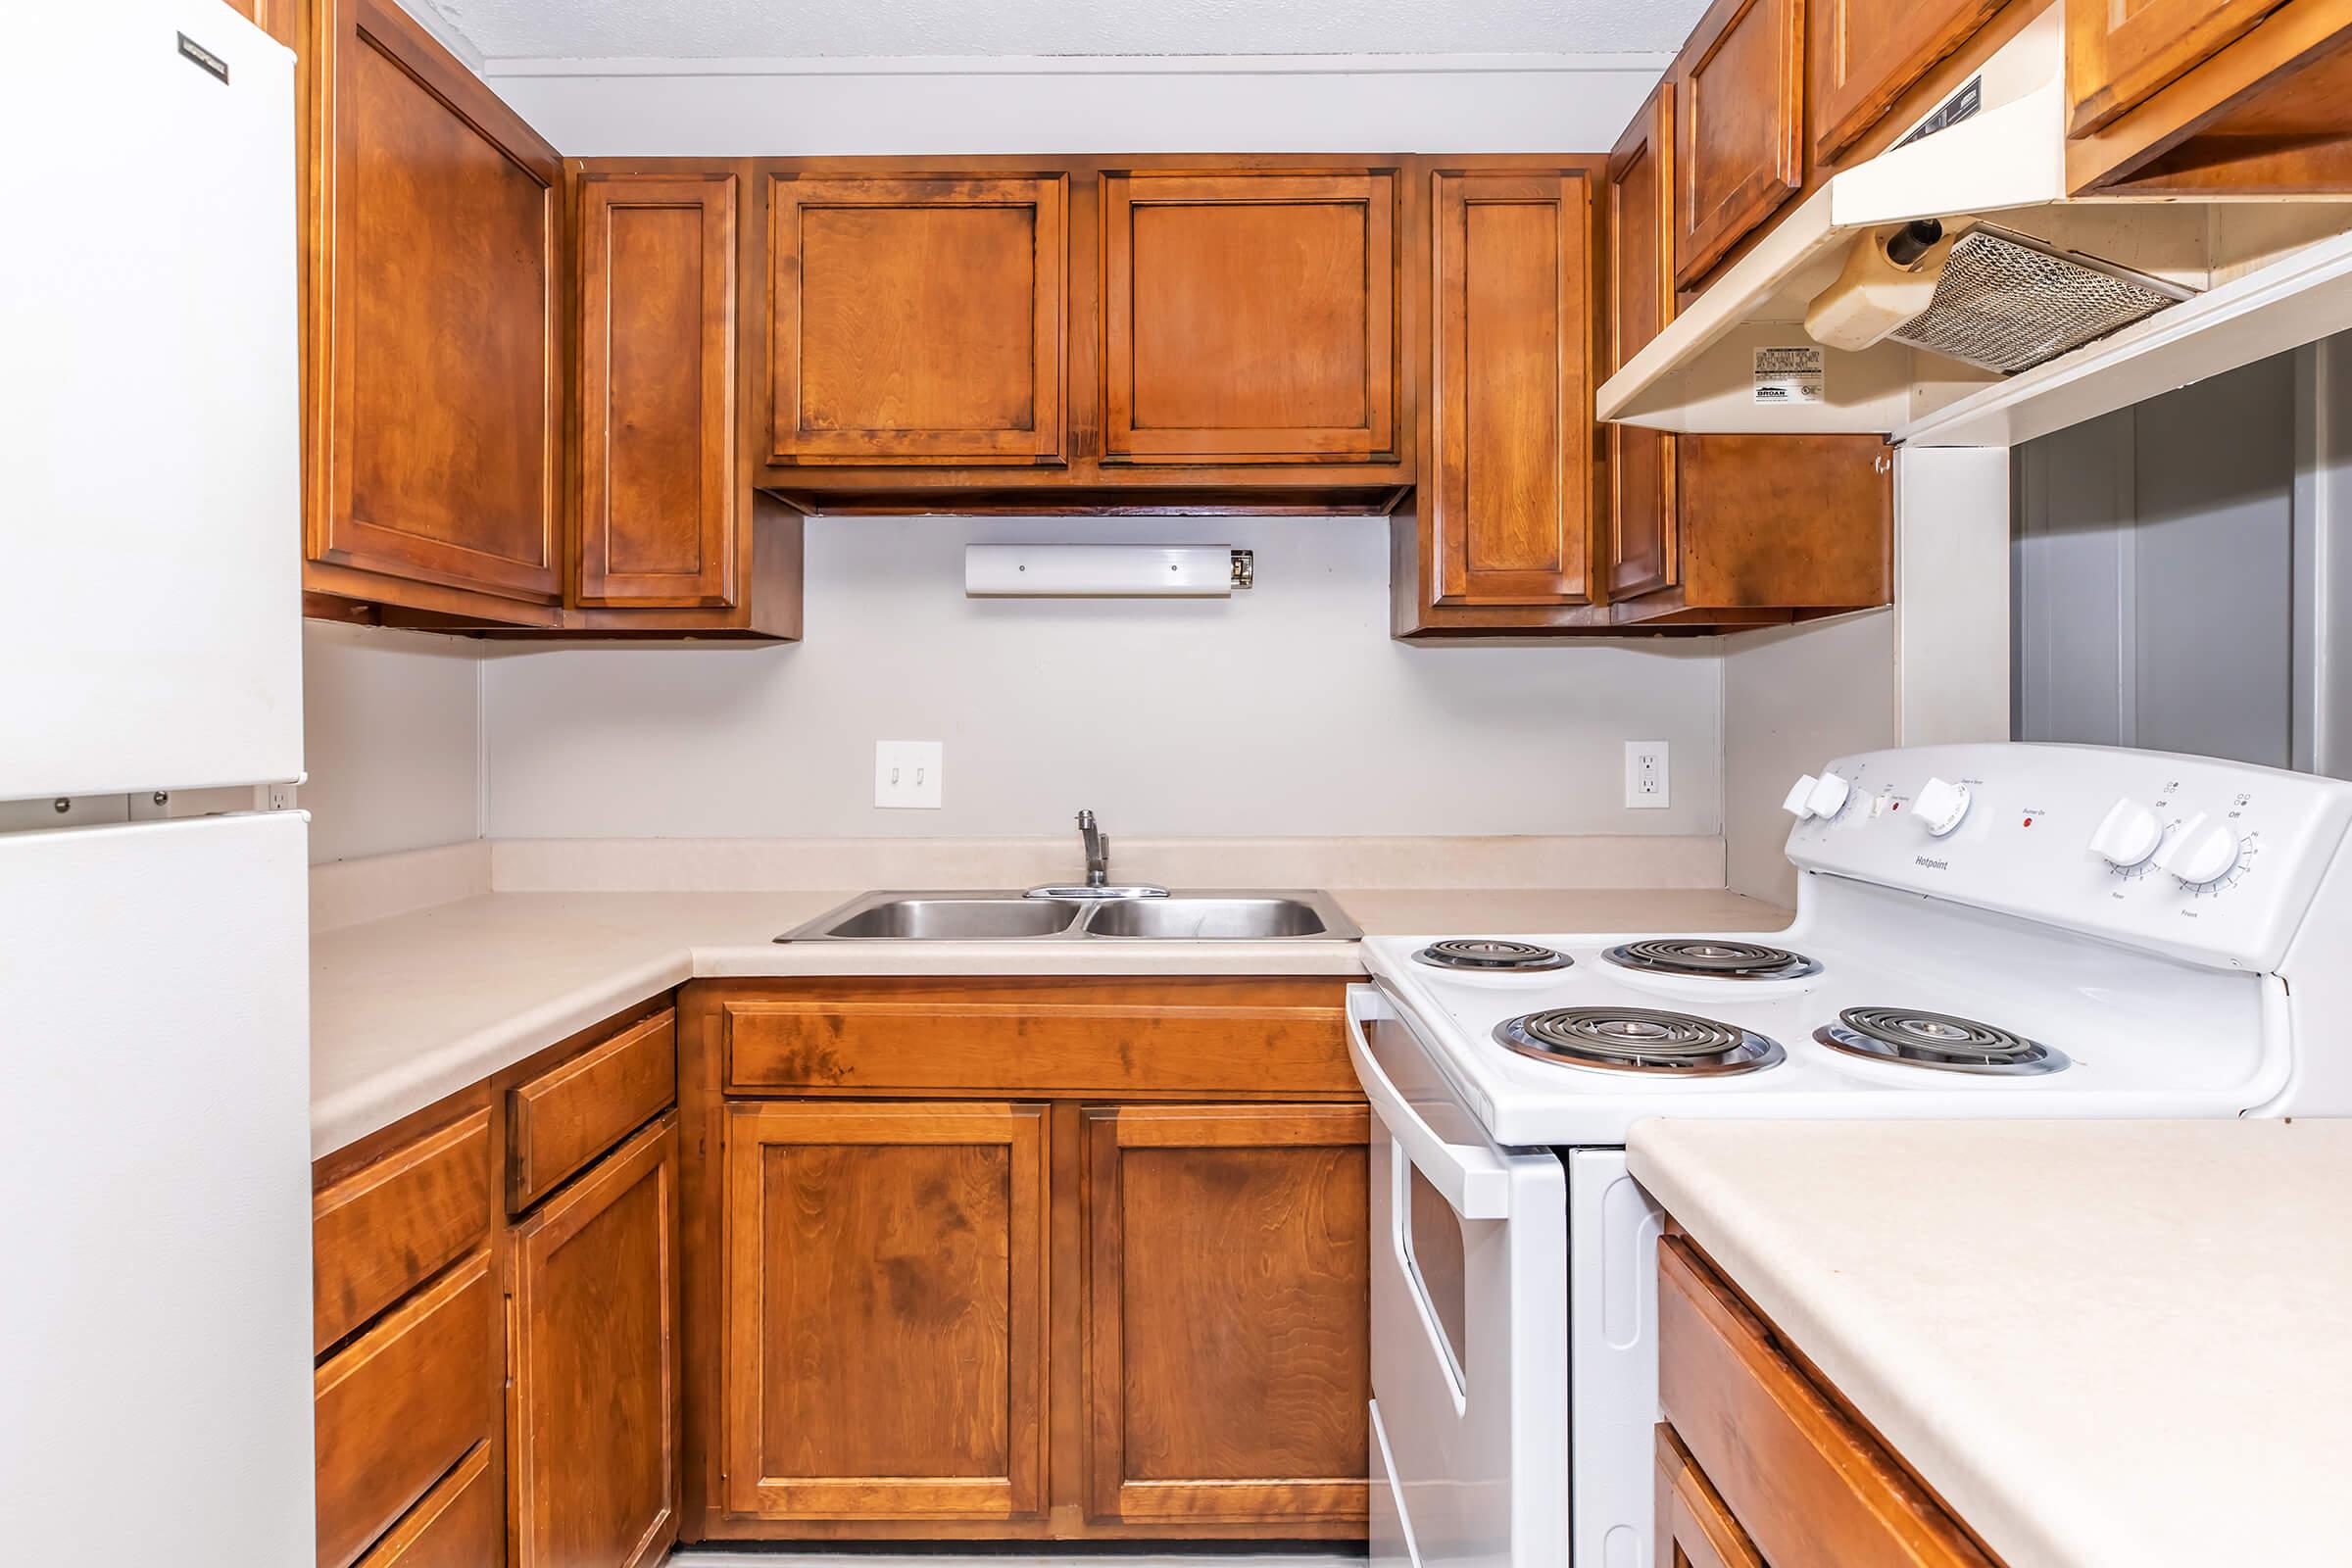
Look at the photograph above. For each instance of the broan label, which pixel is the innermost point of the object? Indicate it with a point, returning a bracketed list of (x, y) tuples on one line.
[(1793, 376)]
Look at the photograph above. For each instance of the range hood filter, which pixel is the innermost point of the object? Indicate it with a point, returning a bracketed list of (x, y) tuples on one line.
[(2008, 303)]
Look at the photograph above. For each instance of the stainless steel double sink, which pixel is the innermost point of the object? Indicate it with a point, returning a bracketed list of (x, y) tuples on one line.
[(1015, 916)]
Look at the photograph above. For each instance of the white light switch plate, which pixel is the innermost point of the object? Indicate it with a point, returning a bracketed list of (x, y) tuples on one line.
[(906, 774), (1646, 775)]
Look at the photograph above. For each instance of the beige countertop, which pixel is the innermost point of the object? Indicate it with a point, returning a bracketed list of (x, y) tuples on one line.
[(410, 1007), (2100, 1343)]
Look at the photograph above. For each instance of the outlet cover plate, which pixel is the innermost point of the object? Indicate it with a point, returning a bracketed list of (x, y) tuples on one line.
[(906, 774), (1647, 780)]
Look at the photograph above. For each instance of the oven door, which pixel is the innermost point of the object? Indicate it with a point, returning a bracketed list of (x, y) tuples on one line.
[(1469, 1320)]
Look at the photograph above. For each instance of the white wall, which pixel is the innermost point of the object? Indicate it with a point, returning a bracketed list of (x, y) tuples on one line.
[(1792, 697), (391, 739), (1287, 709)]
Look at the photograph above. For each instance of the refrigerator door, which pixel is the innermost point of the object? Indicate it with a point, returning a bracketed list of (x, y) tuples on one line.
[(155, 1201), (150, 609)]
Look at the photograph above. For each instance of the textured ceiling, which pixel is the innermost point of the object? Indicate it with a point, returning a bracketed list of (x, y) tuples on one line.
[(677, 30)]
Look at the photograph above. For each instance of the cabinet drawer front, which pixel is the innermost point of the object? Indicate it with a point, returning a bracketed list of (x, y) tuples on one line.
[(458, 1525), (401, 1405), (386, 1228), (1090, 1037), (1803, 1479), (567, 1116)]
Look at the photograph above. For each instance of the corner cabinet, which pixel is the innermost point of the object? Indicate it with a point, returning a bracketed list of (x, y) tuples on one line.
[(593, 1364), (886, 1310), (659, 514), (1249, 316), (434, 354), (917, 318)]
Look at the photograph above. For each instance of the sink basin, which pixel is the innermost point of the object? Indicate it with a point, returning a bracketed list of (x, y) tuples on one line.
[(981, 918), (1013, 916), (1214, 919)]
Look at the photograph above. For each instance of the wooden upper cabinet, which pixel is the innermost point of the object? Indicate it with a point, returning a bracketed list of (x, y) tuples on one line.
[(1226, 1300), (1250, 317), (1639, 539), (658, 490), (436, 346), (1740, 133), (2119, 52), (885, 1281), (1510, 498), (918, 319), (593, 1467), (1870, 53)]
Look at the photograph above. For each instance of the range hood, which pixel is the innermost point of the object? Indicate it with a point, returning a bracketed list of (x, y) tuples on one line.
[(1949, 292)]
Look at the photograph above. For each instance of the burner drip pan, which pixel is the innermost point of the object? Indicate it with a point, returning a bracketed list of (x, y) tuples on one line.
[(1938, 1041), (1636, 1040), (1711, 958), (1492, 956)]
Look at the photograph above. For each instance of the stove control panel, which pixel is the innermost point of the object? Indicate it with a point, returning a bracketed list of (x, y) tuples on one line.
[(2209, 861)]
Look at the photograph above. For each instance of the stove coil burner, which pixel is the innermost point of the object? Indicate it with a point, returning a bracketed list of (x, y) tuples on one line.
[(1492, 956), (1711, 957), (1938, 1040), (1636, 1040)]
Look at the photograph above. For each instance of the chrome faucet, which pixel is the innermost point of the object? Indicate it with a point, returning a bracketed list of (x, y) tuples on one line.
[(1098, 851), (1098, 884)]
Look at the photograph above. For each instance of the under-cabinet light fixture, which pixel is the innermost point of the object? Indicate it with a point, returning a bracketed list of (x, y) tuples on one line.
[(1105, 571)]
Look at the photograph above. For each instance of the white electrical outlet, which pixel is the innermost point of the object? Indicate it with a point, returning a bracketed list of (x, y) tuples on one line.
[(1645, 777), (906, 774)]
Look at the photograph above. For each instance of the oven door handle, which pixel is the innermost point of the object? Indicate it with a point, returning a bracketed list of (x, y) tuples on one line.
[(1473, 1178)]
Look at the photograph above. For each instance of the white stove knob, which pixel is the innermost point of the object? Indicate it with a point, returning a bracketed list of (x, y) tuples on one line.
[(1941, 806), (2205, 852), (2126, 835), (1799, 800), (1827, 798)]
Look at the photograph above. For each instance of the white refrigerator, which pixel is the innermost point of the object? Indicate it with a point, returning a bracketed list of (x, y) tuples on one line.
[(155, 1296)]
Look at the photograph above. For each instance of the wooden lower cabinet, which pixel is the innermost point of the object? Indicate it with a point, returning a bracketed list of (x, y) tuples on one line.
[(885, 1310), (1758, 1462), (593, 1370), (1111, 1286), (1226, 1314)]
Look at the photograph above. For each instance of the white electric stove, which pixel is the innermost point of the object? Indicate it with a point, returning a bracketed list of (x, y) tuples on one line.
[(1998, 930)]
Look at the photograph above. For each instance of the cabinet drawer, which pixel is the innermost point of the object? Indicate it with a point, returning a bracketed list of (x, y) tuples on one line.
[(1802, 1478), (401, 1405), (456, 1526), (567, 1116), (1257, 1037), (386, 1228)]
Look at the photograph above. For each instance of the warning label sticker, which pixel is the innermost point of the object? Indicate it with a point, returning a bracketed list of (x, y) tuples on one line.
[(1788, 375)]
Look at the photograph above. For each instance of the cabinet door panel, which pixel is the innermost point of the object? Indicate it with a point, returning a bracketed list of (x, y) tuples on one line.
[(1740, 91), (1226, 1311), (885, 1310), (2119, 52), (1249, 318), (442, 334), (1641, 536), (918, 319), (593, 1461), (1871, 52), (658, 489), (1512, 502)]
